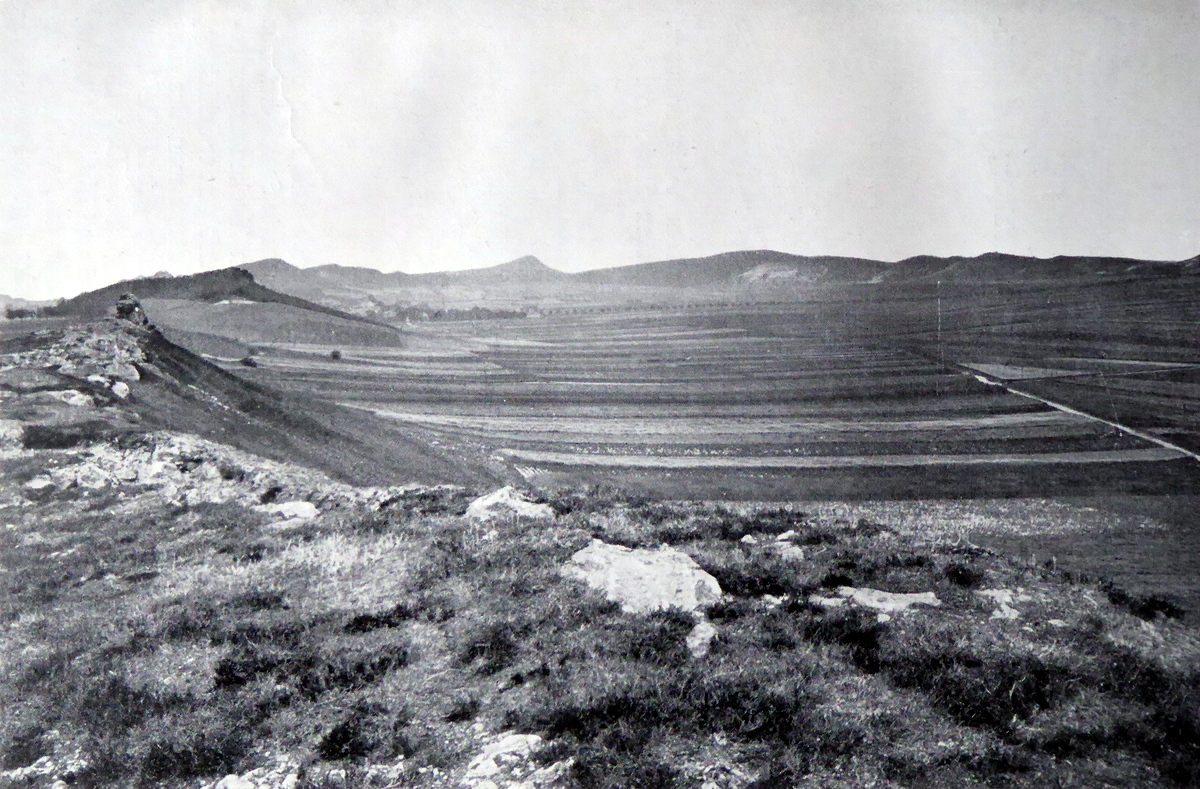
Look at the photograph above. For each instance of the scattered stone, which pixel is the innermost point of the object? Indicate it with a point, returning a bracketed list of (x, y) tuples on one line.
[(187, 469), (233, 781), (1056, 623), (790, 534), (749, 539), (883, 602), (785, 551), (120, 389), (643, 581), (1004, 599), (507, 501)]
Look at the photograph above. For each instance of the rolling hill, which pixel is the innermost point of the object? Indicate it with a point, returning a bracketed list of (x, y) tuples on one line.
[(201, 310)]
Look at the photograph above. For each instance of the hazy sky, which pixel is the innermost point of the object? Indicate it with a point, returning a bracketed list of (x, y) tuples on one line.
[(138, 135)]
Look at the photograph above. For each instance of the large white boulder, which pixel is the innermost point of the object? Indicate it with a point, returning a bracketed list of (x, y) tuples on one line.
[(643, 581), (507, 501)]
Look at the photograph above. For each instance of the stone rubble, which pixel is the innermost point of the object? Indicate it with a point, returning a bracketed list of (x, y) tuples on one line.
[(187, 469), (62, 768), (103, 350)]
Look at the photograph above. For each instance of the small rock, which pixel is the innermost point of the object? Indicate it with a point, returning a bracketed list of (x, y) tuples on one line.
[(1004, 599), (233, 781), (749, 539), (1056, 623), (73, 397), (699, 641), (507, 501), (508, 747), (122, 372), (120, 389), (548, 776), (790, 534)]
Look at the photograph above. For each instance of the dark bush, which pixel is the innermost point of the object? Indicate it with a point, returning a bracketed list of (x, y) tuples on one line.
[(1142, 606), (964, 575), (492, 647), (208, 750), (362, 731), (657, 638)]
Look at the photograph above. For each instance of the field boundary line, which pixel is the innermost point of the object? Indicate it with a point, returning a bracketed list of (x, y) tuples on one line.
[(991, 381)]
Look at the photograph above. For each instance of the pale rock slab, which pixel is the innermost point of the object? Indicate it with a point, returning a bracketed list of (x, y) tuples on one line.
[(291, 510), (885, 603)]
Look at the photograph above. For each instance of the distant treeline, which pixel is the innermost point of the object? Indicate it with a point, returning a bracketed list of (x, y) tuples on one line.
[(14, 313), (415, 314)]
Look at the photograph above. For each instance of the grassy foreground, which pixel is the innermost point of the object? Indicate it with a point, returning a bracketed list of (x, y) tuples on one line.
[(167, 645)]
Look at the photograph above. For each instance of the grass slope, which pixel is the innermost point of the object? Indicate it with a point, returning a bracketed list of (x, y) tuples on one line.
[(174, 644)]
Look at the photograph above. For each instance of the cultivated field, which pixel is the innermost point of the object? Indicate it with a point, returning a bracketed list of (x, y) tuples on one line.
[(835, 400), (822, 406)]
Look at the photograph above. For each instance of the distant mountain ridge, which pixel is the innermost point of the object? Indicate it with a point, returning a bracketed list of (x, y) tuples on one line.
[(744, 274)]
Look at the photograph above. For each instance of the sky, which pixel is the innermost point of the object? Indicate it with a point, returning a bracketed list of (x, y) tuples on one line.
[(187, 135)]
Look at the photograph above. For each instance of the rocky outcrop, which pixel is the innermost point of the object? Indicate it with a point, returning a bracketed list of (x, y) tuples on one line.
[(104, 350), (130, 309), (643, 581)]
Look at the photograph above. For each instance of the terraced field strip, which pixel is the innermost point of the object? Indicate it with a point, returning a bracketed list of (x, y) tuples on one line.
[(838, 461)]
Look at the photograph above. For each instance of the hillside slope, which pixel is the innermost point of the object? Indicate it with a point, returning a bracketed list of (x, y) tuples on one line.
[(121, 379)]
